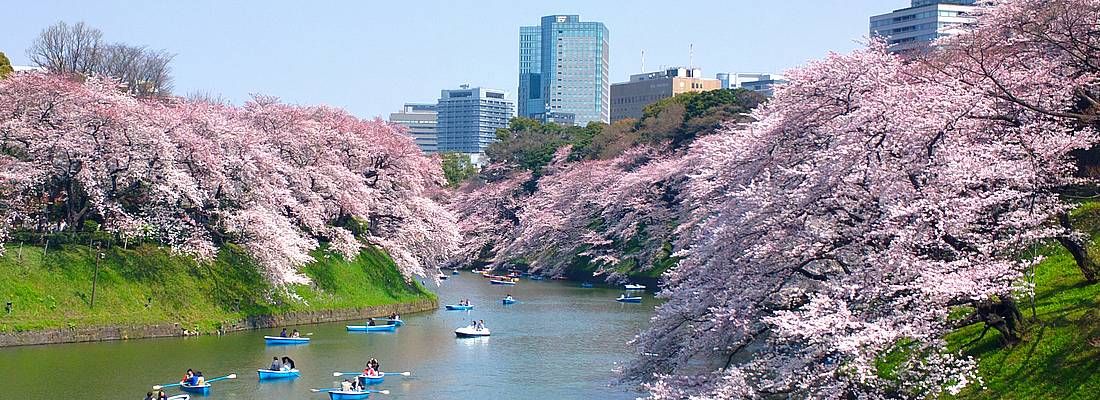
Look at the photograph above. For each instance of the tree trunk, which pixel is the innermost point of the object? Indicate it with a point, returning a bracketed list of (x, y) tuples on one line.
[(1079, 249), (1005, 317)]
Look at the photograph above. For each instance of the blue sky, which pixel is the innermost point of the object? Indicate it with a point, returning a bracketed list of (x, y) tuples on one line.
[(369, 57)]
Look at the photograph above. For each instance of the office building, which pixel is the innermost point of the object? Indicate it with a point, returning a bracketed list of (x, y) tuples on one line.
[(563, 71), (915, 27), (420, 120), (468, 118), (761, 82), (628, 99)]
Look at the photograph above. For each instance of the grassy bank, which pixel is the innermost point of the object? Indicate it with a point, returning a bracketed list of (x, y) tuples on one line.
[(1059, 357), (149, 285)]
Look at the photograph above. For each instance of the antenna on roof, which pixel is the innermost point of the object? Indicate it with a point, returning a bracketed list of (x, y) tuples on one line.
[(691, 55), (643, 61)]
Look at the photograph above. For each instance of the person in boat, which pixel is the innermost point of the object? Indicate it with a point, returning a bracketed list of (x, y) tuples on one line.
[(346, 385), (199, 379), (508, 297), (188, 376), (283, 333), (374, 364), (161, 395), (368, 371), (370, 322), (276, 364), (288, 363), (394, 316), (296, 334), (149, 396)]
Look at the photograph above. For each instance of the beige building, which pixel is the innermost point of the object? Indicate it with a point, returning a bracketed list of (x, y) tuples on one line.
[(628, 99)]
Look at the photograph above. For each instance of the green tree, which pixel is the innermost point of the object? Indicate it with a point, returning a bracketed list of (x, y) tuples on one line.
[(5, 66), (457, 168)]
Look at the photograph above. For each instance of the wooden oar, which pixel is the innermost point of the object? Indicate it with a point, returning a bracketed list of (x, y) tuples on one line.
[(166, 385), (338, 389), (406, 373), (220, 378)]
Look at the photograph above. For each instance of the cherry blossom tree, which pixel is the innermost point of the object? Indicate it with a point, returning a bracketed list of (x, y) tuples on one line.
[(872, 198), (277, 179)]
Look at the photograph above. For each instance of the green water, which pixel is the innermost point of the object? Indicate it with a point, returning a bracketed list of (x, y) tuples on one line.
[(560, 342)]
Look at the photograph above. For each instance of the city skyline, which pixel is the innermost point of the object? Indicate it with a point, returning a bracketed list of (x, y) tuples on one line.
[(325, 48)]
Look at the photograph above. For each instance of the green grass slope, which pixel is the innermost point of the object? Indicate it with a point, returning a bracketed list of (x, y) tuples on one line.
[(149, 285), (1059, 357)]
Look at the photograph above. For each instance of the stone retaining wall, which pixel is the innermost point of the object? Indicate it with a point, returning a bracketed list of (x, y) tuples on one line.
[(102, 333)]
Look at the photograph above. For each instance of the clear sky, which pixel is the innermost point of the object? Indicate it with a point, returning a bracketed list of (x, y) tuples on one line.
[(369, 57)]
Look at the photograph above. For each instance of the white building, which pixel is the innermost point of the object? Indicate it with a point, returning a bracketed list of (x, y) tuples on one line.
[(761, 82), (914, 27), (421, 119)]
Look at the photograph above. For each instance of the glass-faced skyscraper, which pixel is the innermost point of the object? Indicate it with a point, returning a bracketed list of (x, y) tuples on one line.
[(563, 71)]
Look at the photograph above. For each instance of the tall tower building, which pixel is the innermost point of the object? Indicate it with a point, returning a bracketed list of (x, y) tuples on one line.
[(469, 118), (563, 71), (912, 28)]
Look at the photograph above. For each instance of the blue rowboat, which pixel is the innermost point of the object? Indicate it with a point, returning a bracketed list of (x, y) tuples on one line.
[(348, 395), (625, 299), (266, 374), (371, 380), (203, 389), (454, 272), (372, 328), (508, 301), (586, 285), (458, 307), (537, 277), (285, 340)]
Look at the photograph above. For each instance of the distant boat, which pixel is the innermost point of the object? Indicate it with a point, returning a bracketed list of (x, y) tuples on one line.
[(443, 277), (634, 287), (537, 277), (509, 300), (628, 299), (285, 340), (458, 307), (501, 282), (469, 331), (372, 328), (454, 272), (267, 374), (586, 284)]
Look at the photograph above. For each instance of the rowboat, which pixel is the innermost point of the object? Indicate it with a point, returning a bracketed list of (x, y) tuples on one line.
[(469, 331), (443, 277), (285, 340), (348, 395), (537, 277), (458, 307), (454, 272), (266, 374), (203, 389), (372, 328), (629, 299), (501, 282), (371, 379), (508, 300), (634, 287), (586, 284)]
